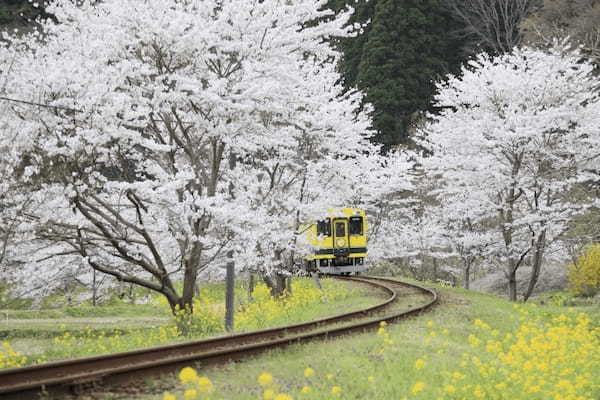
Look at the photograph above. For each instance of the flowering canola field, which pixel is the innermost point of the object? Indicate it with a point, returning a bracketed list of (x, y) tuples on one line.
[(264, 311), (546, 356)]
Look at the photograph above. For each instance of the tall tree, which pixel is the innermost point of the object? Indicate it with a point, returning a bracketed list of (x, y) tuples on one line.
[(518, 134), (133, 111), (402, 48), (353, 47)]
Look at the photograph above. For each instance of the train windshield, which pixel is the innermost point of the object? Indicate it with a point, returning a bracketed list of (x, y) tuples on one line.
[(324, 227), (355, 226), (340, 229)]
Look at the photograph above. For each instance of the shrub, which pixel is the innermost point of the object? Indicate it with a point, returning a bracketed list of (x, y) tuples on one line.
[(10, 358), (584, 275)]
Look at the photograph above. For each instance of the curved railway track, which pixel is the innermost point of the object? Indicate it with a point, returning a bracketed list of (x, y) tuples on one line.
[(56, 379)]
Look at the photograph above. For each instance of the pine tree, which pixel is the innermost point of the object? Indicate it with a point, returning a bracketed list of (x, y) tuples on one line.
[(353, 47), (397, 58)]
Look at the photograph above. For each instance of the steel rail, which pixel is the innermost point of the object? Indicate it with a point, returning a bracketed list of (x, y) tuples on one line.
[(70, 376)]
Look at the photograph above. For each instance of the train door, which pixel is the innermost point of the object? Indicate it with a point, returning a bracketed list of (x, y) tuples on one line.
[(340, 237)]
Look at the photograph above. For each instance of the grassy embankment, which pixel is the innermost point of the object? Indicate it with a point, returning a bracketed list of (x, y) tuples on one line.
[(471, 346), (30, 337)]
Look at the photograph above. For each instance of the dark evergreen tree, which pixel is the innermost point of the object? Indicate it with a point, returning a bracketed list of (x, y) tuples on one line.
[(408, 45), (21, 13), (353, 47)]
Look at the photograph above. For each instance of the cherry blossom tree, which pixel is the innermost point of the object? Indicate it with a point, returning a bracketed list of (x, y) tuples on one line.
[(518, 134), (463, 232), (169, 134)]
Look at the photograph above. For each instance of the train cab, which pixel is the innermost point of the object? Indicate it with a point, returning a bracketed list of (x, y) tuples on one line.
[(340, 242)]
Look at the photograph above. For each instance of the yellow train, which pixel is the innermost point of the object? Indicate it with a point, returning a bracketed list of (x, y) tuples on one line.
[(340, 241)]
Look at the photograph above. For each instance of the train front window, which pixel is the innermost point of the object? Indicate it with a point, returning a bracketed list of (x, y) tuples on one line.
[(340, 229), (355, 226), (324, 227)]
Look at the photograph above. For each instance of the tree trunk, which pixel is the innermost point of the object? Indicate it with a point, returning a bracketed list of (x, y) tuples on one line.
[(540, 247), (190, 275), (276, 283), (183, 311), (94, 289), (512, 281)]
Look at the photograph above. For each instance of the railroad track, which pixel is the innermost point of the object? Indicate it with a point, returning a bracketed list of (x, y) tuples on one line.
[(56, 379)]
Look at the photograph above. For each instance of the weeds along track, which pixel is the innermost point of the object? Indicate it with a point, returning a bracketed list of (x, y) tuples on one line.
[(56, 379)]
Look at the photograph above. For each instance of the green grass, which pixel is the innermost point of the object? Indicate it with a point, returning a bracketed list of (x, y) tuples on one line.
[(384, 366), (45, 335), (439, 338)]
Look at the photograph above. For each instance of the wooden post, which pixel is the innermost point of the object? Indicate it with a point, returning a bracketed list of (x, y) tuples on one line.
[(229, 292), (230, 271)]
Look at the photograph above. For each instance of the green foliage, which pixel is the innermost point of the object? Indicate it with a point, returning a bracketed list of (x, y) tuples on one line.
[(10, 10), (396, 60), (21, 12), (4, 16), (584, 275), (353, 47)]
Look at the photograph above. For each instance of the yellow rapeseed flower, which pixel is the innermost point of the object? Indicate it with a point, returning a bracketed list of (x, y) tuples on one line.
[(188, 375), (418, 387), (308, 372), (336, 390), (190, 394), (457, 375), (305, 389), (449, 389), (474, 341), (329, 377), (383, 324), (478, 393), (283, 396), (265, 379), (169, 396), (268, 394), (371, 379), (205, 385), (419, 363)]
